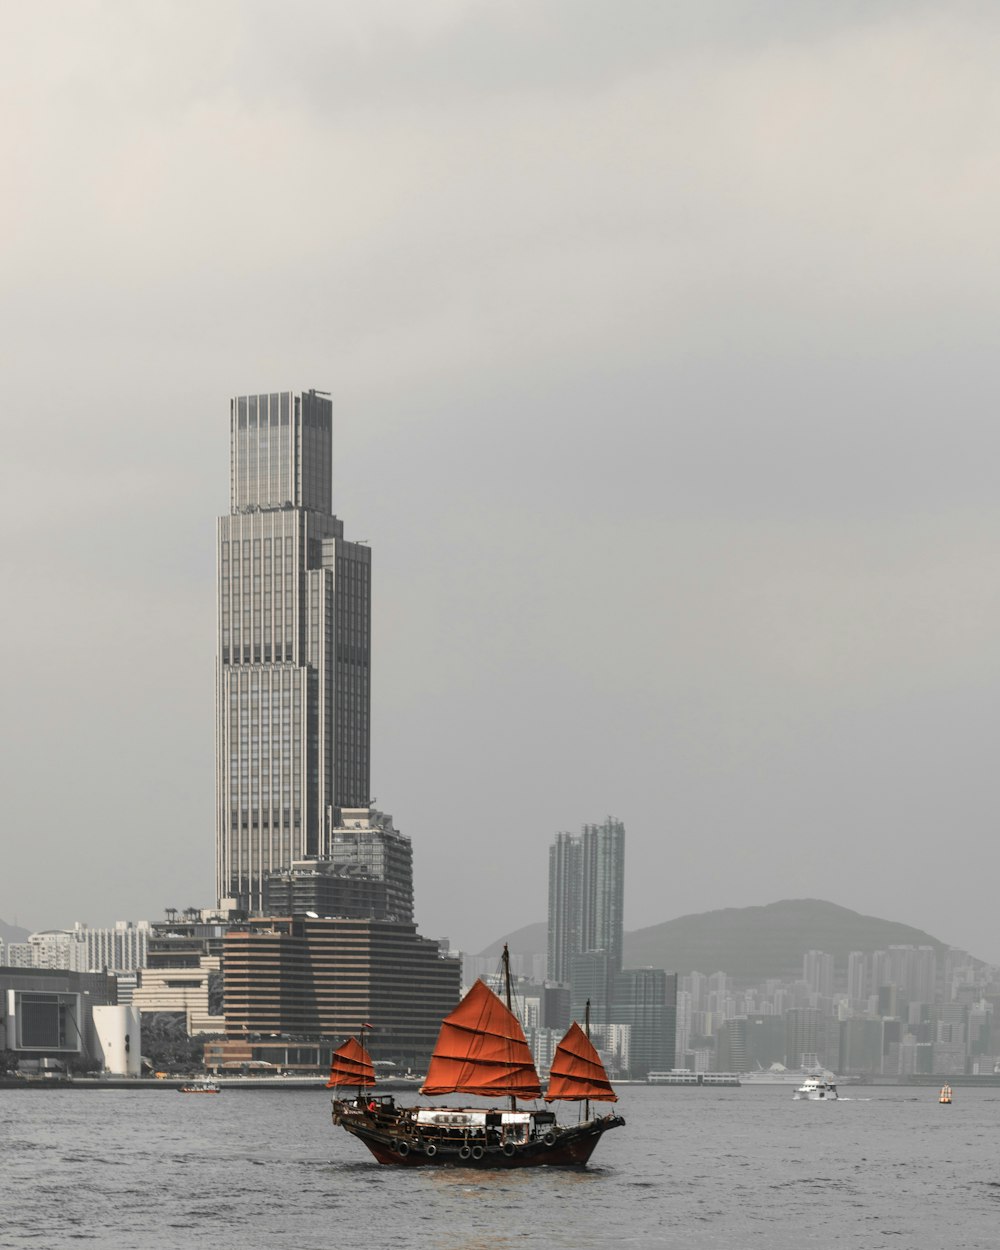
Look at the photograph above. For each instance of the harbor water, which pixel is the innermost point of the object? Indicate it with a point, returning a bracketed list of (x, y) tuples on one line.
[(693, 1168)]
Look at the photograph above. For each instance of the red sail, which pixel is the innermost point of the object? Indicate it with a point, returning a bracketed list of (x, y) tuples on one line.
[(352, 1065), (577, 1072), (481, 1050)]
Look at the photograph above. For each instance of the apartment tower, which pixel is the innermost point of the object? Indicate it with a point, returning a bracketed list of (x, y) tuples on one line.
[(586, 897), (293, 645)]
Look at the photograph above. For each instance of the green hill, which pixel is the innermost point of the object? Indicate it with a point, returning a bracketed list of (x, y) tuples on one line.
[(749, 943)]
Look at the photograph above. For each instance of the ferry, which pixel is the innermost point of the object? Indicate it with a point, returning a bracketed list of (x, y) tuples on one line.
[(778, 1074), (684, 1076), (815, 1089)]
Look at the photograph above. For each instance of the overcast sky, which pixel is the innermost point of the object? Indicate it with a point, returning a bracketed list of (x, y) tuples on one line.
[(662, 345)]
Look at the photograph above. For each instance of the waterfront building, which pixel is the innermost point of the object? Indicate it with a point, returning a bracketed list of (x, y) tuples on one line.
[(293, 649), (46, 1014), (592, 979), (183, 976), (861, 1046), (318, 977), (765, 1040), (684, 1014), (645, 999), (733, 1046), (802, 1035)]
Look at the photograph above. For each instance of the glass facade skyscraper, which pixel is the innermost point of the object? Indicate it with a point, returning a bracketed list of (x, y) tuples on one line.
[(293, 648)]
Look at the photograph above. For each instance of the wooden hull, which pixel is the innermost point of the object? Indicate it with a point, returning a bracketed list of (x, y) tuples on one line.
[(569, 1146)]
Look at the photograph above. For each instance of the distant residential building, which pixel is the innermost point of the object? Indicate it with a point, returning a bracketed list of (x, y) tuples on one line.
[(121, 948), (888, 1001), (542, 1043), (586, 896), (19, 955), (817, 972), (83, 949), (857, 978), (914, 970)]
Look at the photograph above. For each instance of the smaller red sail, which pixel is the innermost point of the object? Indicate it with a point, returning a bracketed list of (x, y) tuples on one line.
[(577, 1071), (352, 1065)]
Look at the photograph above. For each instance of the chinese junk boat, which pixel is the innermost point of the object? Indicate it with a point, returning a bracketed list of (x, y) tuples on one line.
[(481, 1050)]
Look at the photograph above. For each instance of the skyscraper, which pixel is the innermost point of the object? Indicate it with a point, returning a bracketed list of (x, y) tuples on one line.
[(586, 897), (294, 631), (817, 972)]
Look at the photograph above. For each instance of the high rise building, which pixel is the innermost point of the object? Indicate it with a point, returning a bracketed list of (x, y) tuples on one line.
[(802, 1036), (857, 979), (586, 896), (817, 972), (294, 629), (646, 1000)]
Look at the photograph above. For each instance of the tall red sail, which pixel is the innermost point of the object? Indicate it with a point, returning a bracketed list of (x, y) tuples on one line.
[(481, 1050), (351, 1065), (577, 1071)]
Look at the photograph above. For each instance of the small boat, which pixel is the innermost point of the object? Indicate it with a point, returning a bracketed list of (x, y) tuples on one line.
[(816, 1089), (199, 1087), (945, 1096), (481, 1050)]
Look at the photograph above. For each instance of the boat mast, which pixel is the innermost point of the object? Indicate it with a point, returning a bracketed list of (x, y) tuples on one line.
[(586, 1017), (505, 958)]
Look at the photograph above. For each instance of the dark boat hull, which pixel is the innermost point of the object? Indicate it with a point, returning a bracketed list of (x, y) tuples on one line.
[(564, 1147)]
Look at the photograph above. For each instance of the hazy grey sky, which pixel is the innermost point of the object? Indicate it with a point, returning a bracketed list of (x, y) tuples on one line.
[(662, 344)]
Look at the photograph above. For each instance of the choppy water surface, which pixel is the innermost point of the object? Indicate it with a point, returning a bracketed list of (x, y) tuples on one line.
[(693, 1168)]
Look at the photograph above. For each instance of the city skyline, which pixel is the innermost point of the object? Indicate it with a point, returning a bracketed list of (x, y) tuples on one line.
[(662, 379)]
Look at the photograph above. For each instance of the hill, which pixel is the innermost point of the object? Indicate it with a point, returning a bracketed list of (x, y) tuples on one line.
[(760, 942), (749, 943), (13, 933), (533, 939)]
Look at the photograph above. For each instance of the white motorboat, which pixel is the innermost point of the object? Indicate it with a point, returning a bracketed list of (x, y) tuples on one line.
[(816, 1089)]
